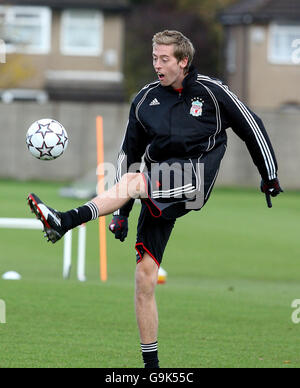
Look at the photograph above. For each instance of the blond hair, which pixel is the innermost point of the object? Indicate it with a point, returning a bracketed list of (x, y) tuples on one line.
[(183, 47)]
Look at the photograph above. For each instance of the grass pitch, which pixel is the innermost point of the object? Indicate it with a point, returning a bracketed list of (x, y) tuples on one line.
[(233, 272)]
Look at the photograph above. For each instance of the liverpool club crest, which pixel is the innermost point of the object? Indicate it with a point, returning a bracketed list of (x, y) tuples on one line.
[(197, 107)]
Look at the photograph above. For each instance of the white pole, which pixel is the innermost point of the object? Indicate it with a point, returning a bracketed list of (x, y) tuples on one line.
[(67, 255), (20, 223), (81, 253), (28, 223)]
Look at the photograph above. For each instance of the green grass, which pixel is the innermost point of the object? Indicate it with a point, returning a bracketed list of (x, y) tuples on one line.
[(233, 272)]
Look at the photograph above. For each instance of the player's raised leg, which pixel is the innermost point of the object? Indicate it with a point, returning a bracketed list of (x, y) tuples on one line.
[(130, 186), (56, 224)]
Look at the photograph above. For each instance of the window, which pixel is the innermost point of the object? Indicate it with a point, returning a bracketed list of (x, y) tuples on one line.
[(82, 32), (26, 29), (283, 43)]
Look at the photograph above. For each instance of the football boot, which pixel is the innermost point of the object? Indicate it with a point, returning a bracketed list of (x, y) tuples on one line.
[(50, 218)]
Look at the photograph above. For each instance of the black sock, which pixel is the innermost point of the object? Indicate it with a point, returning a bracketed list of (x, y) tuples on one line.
[(150, 355), (79, 216)]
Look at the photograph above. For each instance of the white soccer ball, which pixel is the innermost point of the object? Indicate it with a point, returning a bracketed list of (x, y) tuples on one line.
[(47, 139)]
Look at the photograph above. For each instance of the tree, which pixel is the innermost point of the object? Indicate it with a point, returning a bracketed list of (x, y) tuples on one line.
[(208, 10), (15, 71), (16, 68)]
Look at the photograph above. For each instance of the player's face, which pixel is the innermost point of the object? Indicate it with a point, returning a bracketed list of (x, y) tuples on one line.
[(170, 72)]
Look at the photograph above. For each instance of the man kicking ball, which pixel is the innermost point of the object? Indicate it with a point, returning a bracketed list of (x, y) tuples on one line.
[(178, 124)]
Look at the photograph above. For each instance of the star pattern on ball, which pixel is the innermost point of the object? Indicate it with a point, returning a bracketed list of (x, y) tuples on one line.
[(29, 142), (45, 150), (44, 129), (62, 139)]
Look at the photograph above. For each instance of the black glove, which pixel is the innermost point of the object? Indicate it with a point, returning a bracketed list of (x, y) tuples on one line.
[(271, 189), (119, 227)]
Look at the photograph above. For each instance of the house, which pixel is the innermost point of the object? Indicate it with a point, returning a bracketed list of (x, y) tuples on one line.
[(72, 49), (263, 51)]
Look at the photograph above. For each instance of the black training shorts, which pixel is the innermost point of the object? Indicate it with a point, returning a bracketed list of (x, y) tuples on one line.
[(174, 188), (153, 234)]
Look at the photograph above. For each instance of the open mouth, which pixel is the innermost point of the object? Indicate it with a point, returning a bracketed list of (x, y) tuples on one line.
[(161, 76)]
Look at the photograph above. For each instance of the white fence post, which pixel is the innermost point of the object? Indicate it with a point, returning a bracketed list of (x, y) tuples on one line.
[(67, 255), (2, 51), (27, 223), (2, 311), (81, 254)]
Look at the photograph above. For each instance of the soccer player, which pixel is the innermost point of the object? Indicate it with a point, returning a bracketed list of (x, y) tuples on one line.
[(178, 123)]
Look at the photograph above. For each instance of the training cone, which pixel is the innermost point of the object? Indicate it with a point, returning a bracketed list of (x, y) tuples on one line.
[(162, 276)]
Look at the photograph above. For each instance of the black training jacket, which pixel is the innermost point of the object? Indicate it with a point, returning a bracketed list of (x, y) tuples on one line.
[(165, 124)]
